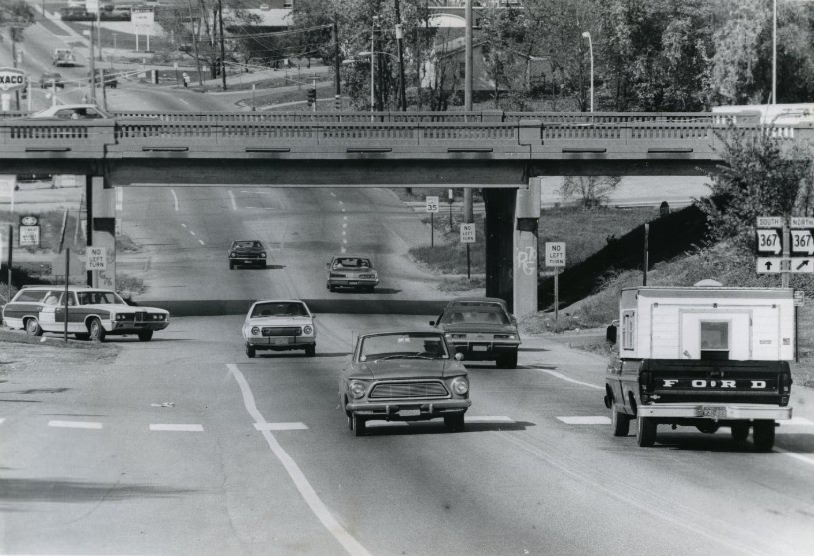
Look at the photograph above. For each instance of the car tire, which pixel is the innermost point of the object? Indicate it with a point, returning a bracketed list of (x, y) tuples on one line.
[(32, 327), (739, 431), (763, 435), (646, 430), (311, 351), (455, 423), (331, 288), (507, 360), (145, 335), (620, 422), (231, 266), (358, 424), (96, 330), (708, 428), (250, 351)]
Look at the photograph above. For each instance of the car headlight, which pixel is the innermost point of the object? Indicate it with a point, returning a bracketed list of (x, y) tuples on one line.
[(233, 254), (357, 388), (460, 386), (505, 337), (119, 316), (262, 255), (255, 330), (307, 329)]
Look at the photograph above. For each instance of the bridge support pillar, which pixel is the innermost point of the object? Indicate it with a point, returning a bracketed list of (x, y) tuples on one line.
[(499, 242), (527, 218), (102, 234)]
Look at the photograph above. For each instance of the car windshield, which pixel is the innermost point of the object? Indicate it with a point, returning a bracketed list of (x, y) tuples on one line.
[(424, 345), (279, 309), (351, 262), (247, 245), (481, 314), (99, 297)]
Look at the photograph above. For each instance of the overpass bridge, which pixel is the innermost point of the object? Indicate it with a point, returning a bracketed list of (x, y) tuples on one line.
[(496, 151)]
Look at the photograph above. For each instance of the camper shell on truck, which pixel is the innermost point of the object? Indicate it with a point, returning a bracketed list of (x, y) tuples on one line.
[(703, 356)]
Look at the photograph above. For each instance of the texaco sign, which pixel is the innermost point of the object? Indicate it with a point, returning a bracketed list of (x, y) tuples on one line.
[(11, 79)]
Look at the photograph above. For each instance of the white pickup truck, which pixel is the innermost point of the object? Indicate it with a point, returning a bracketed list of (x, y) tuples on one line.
[(703, 356), (63, 57)]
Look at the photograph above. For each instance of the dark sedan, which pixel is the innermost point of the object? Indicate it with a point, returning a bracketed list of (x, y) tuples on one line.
[(52, 79), (482, 329), (247, 252), (404, 376)]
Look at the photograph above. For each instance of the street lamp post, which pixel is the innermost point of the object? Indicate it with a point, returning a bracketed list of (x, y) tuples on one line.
[(774, 54), (587, 35)]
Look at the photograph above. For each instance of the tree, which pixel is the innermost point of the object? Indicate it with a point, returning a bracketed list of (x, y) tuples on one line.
[(760, 174), (591, 191)]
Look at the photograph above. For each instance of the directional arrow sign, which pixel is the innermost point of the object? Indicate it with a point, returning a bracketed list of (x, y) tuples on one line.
[(802, 265), (776, 265), (802, 242), (769, 241)]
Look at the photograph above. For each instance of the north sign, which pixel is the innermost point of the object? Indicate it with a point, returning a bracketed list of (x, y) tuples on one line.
[(12, 79)]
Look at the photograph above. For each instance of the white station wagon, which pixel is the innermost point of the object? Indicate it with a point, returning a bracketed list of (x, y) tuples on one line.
[(280, 325)]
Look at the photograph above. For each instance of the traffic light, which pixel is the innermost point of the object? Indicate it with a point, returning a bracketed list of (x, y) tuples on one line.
[(312, 96)]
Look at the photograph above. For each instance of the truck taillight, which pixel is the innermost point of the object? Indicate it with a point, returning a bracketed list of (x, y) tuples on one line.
[(645, 386)]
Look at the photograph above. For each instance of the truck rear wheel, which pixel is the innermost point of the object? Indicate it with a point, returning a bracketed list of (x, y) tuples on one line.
[(739, 431), (620, 422), (763, 435), (645, 431)]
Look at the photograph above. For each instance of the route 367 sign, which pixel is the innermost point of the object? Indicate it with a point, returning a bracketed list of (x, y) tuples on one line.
[(12, 79)]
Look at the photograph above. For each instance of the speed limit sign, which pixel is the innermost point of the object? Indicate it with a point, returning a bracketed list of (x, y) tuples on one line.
[(432, 203)]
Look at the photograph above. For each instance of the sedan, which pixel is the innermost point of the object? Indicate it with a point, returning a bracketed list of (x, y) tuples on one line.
[(280, 325), (247, 252), (404, 375), (52, 79), (482, 329), (71, 112), (352, 272)]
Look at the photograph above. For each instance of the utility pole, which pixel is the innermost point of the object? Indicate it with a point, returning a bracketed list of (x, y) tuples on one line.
[(399, 40), (195, 43), (468, 95), (337, 90), (92, 64), (13, 35), (222, 49)]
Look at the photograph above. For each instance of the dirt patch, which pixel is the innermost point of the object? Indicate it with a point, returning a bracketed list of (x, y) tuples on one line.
[(19, 352)]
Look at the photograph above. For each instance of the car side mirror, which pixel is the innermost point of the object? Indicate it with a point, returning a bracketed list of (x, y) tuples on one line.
[(459, 356), (432, 323), (610, 334)]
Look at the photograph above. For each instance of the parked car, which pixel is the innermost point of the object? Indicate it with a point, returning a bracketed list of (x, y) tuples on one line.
[(280, 325), (52, 79), (482, 329), (71, 112), (247, 252), (92, 313), (404, 375), (352, 272)]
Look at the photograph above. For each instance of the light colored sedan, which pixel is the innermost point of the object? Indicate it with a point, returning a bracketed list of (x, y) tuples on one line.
[(280, 325)]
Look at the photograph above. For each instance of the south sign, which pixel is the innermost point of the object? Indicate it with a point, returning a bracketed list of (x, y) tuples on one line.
[(12, 79)]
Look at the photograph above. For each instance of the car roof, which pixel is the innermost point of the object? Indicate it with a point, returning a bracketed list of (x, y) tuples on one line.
[(350, 257), (73, 288), (416, 330), (474, 299), (280, 301), (51, 110)]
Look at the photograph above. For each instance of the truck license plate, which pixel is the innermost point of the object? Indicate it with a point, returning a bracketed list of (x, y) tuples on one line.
[(409, 412), (479, 348), (714, 412)]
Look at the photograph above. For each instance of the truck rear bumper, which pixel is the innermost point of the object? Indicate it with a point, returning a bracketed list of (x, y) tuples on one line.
[(715, 411)]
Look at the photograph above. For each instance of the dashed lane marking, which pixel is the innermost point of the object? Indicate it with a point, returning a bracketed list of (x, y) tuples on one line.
[(164, 427), (280, 426), (796, 456), (585, 420), (75, 424), (797, 421), (568, 379)]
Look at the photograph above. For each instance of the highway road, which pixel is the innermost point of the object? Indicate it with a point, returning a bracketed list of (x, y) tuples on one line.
[(185, 446)]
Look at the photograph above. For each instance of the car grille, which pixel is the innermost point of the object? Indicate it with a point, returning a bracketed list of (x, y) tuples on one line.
[(433, 389), (282, 331)]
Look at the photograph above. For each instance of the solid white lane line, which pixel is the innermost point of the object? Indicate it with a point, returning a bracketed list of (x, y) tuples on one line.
[(169, 427), (232, 199), (350, 544), (280, 426), (585, 420), (175, 200), (563, 377), (75, 424)]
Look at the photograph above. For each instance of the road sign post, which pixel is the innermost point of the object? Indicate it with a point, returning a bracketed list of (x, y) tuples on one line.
[(555, 257), (467, 237), (432, 208)]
